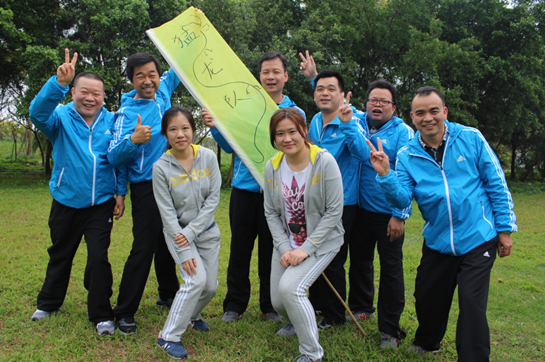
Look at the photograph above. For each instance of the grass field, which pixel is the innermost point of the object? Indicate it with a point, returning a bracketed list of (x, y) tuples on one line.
[(515, 313)]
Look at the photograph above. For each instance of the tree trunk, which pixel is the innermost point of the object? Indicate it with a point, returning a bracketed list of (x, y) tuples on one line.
[(48, 158), (513, 156), (219, 156)]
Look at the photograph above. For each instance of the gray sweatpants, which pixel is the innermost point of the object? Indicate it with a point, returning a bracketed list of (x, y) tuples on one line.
[(199, 289), (289, 297)]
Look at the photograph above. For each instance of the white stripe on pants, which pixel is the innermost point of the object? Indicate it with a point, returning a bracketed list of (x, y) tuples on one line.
[(199, 289), (289, 297)]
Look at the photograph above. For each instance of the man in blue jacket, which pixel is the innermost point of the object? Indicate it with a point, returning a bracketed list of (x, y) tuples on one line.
[(461, 191), (138, 143), (324, 132), (378, 222), (246, 212), (83, 184)]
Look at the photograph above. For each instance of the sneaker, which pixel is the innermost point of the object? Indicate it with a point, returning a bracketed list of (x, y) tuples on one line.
[(230, 316), (318, 313), (388, 341), (164, 303), (40, 314), (200, 325), (273, 316), (360, 316), (126, 325), (174, 349), (106, 327), (287, 330), (420, 351), (323, 325), (306, 358)]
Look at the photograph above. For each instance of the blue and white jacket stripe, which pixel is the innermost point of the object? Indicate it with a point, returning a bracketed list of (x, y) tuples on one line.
[(464, 203)]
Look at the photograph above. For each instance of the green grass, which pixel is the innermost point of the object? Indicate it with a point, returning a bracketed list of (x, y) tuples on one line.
[(515, 313)]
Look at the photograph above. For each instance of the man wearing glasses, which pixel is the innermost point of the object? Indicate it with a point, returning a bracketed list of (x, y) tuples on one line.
[(378, 222)]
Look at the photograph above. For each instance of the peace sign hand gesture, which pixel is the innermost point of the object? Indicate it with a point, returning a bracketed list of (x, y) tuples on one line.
[(308, 66), (345, 111), (66, 71), (379, 160)]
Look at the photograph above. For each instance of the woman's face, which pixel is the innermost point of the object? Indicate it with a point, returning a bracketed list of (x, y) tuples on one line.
[(287, 137), (179, 133)]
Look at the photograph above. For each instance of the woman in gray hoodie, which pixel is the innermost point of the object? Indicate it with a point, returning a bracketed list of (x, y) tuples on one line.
[(186, 186), (303, 206)]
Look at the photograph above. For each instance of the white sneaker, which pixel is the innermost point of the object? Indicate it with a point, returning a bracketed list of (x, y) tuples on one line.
[(106, 327), (40, 314)]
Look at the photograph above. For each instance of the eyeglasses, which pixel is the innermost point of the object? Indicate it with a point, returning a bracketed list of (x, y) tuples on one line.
[(382, 102)]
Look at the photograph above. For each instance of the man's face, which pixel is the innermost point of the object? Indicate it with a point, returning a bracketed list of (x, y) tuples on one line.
[(273, 76), (380, 114), (88, 97), (328, 95), (429, 115), (145, 81)]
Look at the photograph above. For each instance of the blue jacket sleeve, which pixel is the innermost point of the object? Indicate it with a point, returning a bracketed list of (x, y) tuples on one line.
[(397, 187), (170, 81), (222, 142), (42, 108), (355, 138), (121, 175), (121, 147), (496, 186), (402, 141)]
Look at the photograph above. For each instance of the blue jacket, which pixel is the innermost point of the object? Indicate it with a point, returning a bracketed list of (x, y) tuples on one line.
[(333, 140), (394, 134), (140, 158), (242, 178), (465, 203), (82, 176)]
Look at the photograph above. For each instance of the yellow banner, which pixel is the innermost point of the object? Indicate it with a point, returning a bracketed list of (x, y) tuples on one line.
[(221, 83)]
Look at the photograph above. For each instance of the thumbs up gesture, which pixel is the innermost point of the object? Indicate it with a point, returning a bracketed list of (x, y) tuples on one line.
[(142, 133)]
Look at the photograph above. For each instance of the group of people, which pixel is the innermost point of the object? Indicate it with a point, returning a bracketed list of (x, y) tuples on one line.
[(341, 186)]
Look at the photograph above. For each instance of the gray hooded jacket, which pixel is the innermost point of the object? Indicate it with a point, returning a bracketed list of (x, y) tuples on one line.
[(187, 200), (323, 204)]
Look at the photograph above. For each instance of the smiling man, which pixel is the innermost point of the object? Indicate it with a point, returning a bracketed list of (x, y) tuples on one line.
[(82, 184), (246, 212), (138, 143), (378, 222), (459, 185)]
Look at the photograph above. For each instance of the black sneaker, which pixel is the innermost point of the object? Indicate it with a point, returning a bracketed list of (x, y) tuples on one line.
[(323, 325), (126, 325), (164, 303)]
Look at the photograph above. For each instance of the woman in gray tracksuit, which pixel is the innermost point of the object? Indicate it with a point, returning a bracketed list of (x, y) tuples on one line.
[(303, 206), (186, 186)]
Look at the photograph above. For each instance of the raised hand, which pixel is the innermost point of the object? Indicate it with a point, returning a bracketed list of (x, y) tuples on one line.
[(66, 71), (345, 112), (379, 160), (308, 66), (141, 134), (207, 118)]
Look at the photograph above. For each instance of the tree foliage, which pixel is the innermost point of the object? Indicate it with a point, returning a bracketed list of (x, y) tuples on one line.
[(487, 56)]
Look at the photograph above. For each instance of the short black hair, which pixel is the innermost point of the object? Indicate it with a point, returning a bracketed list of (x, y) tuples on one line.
[(328, 74), (172, 112), (274, 55), (383, 84), (426, 91), (139, 59), (90, 75)]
